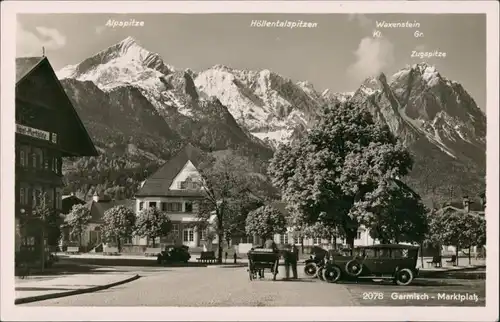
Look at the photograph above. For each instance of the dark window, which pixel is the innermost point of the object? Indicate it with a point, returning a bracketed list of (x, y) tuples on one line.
[(189, 206), (384, 252), (34, 197), (175, 231), (152, 204), (397, 253), (21, 158), (28, 192), (163, 206), (21, 196), (370, 253), (174, 206), (45, 160), (33, 160)]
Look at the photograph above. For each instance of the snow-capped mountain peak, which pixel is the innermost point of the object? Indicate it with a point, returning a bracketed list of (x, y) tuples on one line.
[(125, 62)]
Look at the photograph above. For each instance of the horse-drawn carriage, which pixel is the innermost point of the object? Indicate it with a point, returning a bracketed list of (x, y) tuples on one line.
[(261, 259)]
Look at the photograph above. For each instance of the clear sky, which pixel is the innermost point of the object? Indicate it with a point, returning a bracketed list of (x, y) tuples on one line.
[(339, 53)]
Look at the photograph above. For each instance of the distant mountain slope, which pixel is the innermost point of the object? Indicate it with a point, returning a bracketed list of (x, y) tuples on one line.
[(141, 109)]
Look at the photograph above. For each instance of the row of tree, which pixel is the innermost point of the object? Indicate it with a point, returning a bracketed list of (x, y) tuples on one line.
[(121, 223)]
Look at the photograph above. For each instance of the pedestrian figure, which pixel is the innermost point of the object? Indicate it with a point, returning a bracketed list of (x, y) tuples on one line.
[(225, 258), (235, 257), (287, 254), (270, 244), (294, 257)]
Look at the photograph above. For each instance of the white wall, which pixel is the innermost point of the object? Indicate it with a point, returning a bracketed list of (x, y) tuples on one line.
[(86, 234), (365, 239), (188, 171)]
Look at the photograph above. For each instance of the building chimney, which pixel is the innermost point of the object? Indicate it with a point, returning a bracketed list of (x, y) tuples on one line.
[(466, 203), (95, 197)]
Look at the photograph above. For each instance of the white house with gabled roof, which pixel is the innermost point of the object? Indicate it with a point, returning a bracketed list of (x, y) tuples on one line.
[(175, 189)]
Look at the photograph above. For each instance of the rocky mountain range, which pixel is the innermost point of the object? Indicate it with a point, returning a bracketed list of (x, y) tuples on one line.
[(140, 109)]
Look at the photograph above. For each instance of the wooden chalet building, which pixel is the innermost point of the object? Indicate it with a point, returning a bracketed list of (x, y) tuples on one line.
[(48, 129)]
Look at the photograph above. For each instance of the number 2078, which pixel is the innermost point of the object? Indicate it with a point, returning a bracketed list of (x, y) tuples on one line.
[(373, 296)]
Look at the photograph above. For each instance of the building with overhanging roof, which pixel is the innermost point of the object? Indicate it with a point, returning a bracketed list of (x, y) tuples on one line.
[(175, 188), (48, 129)]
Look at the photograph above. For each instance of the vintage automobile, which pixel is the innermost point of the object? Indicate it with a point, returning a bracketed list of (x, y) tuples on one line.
[(174, 254), (377, 262)]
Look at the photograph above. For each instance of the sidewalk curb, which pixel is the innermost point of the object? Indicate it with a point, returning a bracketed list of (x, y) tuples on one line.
[(43, 297)]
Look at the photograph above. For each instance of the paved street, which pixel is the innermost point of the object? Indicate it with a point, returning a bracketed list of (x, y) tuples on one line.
[(216, 286)]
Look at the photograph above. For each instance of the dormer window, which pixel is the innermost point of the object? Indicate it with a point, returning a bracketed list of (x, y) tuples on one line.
[(188, 184)]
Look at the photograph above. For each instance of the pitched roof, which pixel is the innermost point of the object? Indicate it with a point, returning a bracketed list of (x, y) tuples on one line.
[(24, 65), (69, 201), (83, 146), (97, 209), (159, 183)]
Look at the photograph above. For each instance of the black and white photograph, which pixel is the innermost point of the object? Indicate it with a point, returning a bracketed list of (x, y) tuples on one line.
[(302, 157)]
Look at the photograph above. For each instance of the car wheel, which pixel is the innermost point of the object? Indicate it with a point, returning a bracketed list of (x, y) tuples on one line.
[(319, 273), (331, 273), (311, 269), (353, 268), (404, 277)]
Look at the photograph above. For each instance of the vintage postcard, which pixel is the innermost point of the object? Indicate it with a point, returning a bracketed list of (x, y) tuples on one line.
[(244, 161)]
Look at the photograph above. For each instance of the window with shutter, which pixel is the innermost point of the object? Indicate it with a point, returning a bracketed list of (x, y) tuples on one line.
[(21, 158)]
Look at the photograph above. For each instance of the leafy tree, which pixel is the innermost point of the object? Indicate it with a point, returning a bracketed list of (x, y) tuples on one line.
[(395, 213), (119, 224), (227, 183), (78, 220), (327, 175), (459, 228), (265, 221), (152, 223)]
